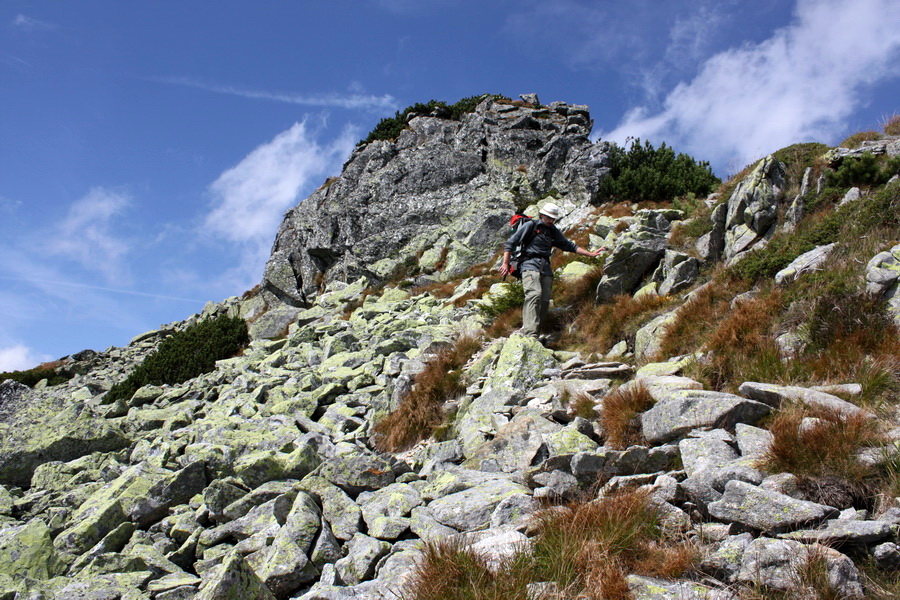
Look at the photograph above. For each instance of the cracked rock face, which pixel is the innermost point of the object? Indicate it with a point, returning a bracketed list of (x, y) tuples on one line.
[(442, 187)]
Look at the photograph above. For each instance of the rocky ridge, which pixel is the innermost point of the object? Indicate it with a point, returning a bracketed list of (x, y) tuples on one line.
[(259, 479)]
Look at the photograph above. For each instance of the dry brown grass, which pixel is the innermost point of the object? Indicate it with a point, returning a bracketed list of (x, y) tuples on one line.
[(577, 293), (587, 549), (617, 210), (596, 328), (421, 411), (823, 453), (742, 346), (621, 415), (854, 141), (590, 547), (891, 125)]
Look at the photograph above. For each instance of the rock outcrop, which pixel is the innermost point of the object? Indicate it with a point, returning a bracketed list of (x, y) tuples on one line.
[(436, 199)]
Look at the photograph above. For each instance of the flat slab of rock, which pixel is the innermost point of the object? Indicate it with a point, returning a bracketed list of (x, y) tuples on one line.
[(844, 531), (681, 411), (775, 395), (599, 371), (471, 509), (765, 510)]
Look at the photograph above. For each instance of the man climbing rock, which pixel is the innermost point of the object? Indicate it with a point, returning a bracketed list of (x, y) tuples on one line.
[(539, 237)]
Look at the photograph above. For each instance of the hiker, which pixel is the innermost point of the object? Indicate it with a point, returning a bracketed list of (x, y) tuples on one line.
[(539, 237)]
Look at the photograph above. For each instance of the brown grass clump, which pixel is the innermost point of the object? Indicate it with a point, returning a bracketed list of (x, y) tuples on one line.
[(822, 452), (421, 411), (586, 549), (597, 328), (617, 210), (621, 415), (591, 547), (577, 293), (854, 141), (892, 125), (742, 347), (449, 570)]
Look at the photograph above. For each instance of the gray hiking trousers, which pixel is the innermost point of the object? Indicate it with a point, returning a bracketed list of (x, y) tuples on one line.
[(537, 299)]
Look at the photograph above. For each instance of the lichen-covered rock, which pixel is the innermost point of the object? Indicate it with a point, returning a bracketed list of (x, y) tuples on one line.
[(775, 395), (471, 509), (234, 579), (431, 186), (27, 551), (684, 410), (777, 565), (636, 253), (765, 510), (363, 554), (806, 262), (285, 565), (753, 205), (61, 435)]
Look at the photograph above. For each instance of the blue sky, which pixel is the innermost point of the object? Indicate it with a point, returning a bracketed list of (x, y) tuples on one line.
[(149, 149)]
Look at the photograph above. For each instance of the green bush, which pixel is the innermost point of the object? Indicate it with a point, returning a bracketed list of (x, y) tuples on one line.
[(866, 170), (645, 173), (33, 376), (185, 355), (390, 127)]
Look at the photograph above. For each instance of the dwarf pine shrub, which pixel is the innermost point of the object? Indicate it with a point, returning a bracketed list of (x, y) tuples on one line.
[(645, 173), (865, 170), (31, 377), (390, 127), (185, 355)]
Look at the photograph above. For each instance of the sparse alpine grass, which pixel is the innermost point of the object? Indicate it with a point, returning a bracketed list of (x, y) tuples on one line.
[(185, 355), (421, 411), (586, 549), (596, 328), (821, 447)]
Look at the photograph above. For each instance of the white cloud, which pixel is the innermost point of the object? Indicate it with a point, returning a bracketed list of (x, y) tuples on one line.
[(89, 235), (20, 358), (798, 85), (353, 101), (30, 24), (250, 199)]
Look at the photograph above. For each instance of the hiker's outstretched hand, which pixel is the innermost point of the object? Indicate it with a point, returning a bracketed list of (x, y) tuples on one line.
[(503, 269)]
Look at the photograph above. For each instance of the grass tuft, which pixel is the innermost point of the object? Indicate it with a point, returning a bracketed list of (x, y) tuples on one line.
[(621, 415), (422, 410)]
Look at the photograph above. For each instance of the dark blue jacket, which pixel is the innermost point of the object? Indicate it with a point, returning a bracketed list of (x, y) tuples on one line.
[(537, 253)]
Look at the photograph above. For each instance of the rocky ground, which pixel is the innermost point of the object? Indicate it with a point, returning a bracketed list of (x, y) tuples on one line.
[(257, 480)]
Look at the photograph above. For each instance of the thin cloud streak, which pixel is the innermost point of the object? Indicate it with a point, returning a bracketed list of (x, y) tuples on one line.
[(99, 288), (352, 101)]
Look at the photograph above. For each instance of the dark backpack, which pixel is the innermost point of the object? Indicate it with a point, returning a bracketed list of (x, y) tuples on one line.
[(518, 253)]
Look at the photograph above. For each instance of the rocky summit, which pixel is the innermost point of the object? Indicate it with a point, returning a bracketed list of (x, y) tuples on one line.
[(265, 476)]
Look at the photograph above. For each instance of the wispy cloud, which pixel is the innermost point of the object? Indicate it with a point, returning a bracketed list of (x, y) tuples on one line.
[(26, 23), (250, 199), (798, 85), (357, 101), (19, 358), (89, 233)]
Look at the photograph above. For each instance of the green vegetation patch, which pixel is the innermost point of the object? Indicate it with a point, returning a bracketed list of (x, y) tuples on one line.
[(32, 376), (390, 127), (645, 173), (186, 355)]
